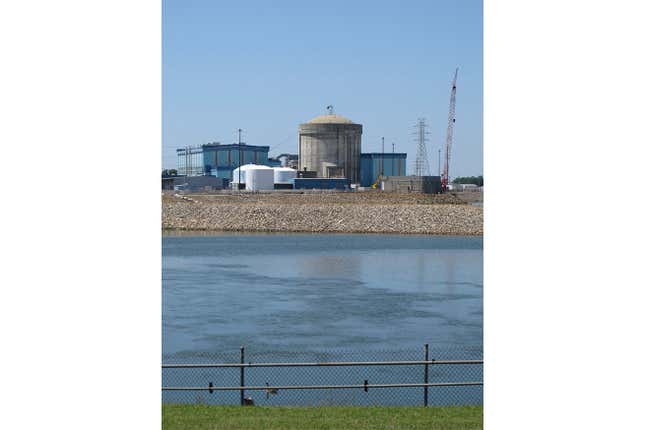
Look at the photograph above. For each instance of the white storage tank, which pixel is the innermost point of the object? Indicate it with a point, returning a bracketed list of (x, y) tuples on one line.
[(241, 176), (283, 175), (237, 176), (258, 178)]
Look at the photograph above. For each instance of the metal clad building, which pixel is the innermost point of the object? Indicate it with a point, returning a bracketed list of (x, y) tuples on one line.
[(385, 164), (330, 145), (218, 160)]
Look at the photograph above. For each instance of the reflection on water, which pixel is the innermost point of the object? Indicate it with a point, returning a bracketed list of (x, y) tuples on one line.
[(320, 292)]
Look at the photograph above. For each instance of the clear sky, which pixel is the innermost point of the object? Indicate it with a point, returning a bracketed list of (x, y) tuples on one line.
[(266, 67)]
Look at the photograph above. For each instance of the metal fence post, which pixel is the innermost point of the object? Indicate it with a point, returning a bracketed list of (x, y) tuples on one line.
[(425, 375), (241, 376)]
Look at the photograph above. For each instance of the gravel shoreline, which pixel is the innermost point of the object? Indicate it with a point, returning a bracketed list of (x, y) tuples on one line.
[(335, 213)]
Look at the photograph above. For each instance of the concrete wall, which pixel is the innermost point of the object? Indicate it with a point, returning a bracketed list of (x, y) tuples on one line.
[(412, 184), (200, 183), (325, 145), (321, 183)]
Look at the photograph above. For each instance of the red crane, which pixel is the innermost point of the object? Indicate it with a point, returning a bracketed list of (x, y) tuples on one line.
[(451, 124)]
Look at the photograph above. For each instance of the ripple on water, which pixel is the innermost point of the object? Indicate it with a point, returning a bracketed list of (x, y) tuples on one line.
[(319, 291)]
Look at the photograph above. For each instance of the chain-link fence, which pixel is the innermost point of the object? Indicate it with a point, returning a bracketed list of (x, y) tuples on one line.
[(423, 376)]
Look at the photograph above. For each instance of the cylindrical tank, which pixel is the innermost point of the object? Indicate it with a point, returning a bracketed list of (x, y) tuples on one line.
[(241, 176), (283, 175), (237, 176), (258, 178), (330, 145)]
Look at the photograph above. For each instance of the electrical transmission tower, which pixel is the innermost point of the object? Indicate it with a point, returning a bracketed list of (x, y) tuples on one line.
[(451, 124), (421, 165)]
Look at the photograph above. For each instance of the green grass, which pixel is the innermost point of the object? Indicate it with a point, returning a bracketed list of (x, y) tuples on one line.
[(206, 417)]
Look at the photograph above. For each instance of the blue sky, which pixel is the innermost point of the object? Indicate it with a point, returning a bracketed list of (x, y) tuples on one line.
[(266, 67)]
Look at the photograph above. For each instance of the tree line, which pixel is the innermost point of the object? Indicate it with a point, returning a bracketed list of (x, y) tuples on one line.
[(477, 180)]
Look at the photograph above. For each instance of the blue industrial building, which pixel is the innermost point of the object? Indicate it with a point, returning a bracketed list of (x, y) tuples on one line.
[(221, 160), (214, 159), (384, 164)]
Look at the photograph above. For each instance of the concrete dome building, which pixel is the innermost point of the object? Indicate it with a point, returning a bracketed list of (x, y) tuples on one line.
[(330, 119), (330, 145)]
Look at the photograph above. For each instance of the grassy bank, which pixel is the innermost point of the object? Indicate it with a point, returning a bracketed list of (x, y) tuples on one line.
[(204, 417)]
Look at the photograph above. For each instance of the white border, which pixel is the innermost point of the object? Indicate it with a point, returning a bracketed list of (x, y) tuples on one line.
[(80, 90), (562, 261), (80, 305)]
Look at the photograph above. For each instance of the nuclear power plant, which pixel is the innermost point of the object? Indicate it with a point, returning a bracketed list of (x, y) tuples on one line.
[(329, 157), (330, 145)]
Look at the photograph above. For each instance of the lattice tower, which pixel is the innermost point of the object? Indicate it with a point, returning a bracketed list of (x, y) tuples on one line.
[(421, 164)]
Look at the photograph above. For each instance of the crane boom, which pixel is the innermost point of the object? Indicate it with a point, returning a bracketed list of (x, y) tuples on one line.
[(451, 124)]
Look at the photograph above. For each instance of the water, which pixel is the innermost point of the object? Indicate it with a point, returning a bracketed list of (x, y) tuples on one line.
[(320, 292), (298, 297)]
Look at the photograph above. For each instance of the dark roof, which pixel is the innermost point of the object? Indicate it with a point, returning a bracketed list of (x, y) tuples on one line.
[(386, 154), (234, 146)]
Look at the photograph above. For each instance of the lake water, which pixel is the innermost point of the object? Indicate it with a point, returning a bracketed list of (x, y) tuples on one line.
[(300, 297), (317, 292)]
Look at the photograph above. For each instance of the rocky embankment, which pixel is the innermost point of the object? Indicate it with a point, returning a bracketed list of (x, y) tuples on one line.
[(323, 213)]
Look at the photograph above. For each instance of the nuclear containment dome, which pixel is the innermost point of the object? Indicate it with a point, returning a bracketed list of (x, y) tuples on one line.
[(330, 145)]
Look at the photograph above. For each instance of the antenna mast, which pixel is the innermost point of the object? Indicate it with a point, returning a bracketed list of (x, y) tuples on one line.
[(421, 166), (451, 124)]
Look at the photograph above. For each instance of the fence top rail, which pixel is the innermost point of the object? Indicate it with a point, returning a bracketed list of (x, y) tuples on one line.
[(322, 387), (322, 364)]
